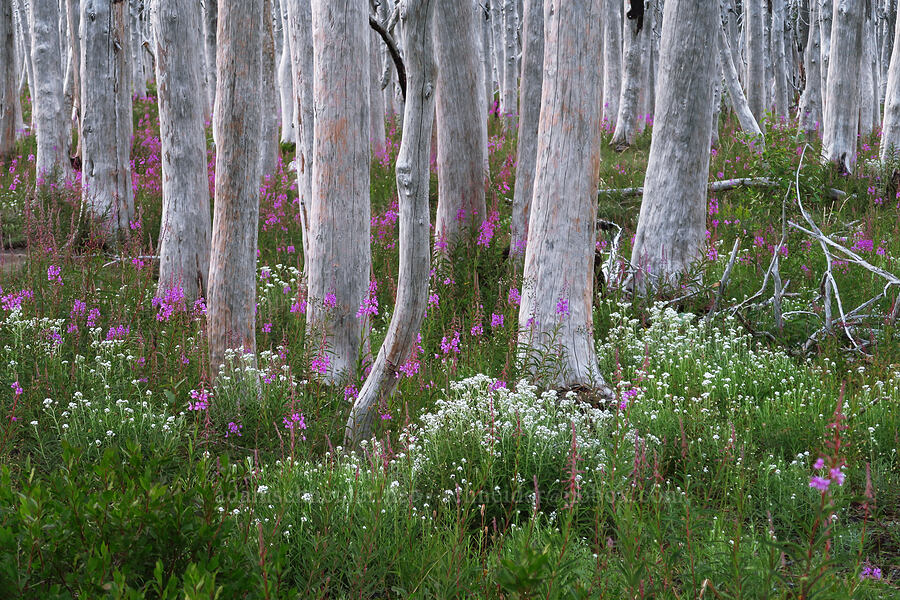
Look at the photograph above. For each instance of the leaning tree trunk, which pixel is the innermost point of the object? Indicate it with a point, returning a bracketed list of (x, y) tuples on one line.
[(890, 136), (811, 100), (231, 306), (612, 59), (268, 141), (626, 120), (339, 253), (51, 122), (413, 175), (842, 98), (672, 222), (529, 119), (748, 122), (299, 30), (555, 315), (8, 89), (184, 234), (460, 119), (106, 113), (756, 58)]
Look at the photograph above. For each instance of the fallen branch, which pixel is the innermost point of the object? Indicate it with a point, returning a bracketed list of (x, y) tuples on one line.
[(721, 186)]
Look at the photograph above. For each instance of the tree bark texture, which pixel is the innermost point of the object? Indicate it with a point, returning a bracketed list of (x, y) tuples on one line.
[(8, 88), (890, 135), (626, 120), (184, 235), (612, 59), (413, 176), (555, 314), (106, 113), (210, 16), (285, 78), (756, 52), (268, 141), (300, 32), (672, 222), (842, 97), (779, 61), (510, 88), (231, 306), (339, 252), (811, 100)]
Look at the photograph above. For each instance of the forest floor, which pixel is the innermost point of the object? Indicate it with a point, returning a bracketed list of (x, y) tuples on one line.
[(752, 451)]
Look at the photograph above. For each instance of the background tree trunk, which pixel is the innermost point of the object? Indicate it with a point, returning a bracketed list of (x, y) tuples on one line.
[(460, 119), (756, 51), (672, 222), (73, 13), (626, 120), (184, 235), (890, 136), (558, 286), (529, 119), (742, 110), (138, 81), (510, 87), (779, 61), (231, 306), (376, 98), (413, 176), (268, 141), (826, 15), (339, 252), (22, 17), (612, 59), (51, 123), (8, 89), (811, 100), (210, 17), (842, 98), (285, 77), (106, 114)]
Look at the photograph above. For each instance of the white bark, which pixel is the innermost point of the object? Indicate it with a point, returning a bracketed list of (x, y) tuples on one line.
[(842, 97), (811, 100), (376, 98), (498, 48), (556, 311), (461, 119), (339, 252), (51, 123), (231, 306), (210, 16), (73, 21), (300, 33), (672, 222), (106, 113), (748, 122), (756, 59), (413, 176), (269, 135), (486, 52), (529, 119), (626, 120), (888, 23), (779, 61), (136, 63), (23, 25), (826, 15), (184, 235), (285, 78), (868, 84), (890, 135), (8, 88), (510, 87), (612, 59)]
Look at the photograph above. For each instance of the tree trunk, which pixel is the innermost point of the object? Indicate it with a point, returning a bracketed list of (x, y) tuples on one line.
[(285, 78), (826, 14), (672, 222), (779, 61), (842, 98), (51, 123), (612, 59), (868, 84), (24, 26), (626, 120), (510, 88), (184, 235), (889, 21), (300, 33), (498, 47), (73, 13), (756, 59), (485, 21), (460, 119), (106, 113), (210, 16), (268, 141), (529, 119), (748, 122), (136, 63), (339, 252), (413, 176), (8, 90), (555, 315), (376, 98), (811, 100), (890, 136), (231, 306)]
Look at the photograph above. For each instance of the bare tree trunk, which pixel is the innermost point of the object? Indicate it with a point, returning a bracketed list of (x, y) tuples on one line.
[(184, 235), (73, 14), (868, 84), (376, 98), (626, 120), (231, 306), (498, 47), (8, 90), (612, 59), (756, 59), (485, 21), (460, 119), (672, 222), (51, 123), (413, 175), (106, 115), (779, 60), (889, 21), (651, 18), (210, 16), (842, 98), (890, 136), (339, 252), (826, 15), (136, 63), (285, 78), (811, 100), (301, 44), (510, 87), (268, 141), (745, 116), (529, 119), (22, 17), (558, 286)]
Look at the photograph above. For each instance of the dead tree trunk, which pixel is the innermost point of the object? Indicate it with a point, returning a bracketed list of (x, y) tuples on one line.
[(756, 58), (612, 59), (210, 16), (8, 88), (184, 235), (529, 119), (811, 100), (672, 222), (890, 136), (842, 99), (626, 120), (460, 119), (555, 315), (285, 77), (300, 32), (106, 113), (779, 60), (748, 122), (413, 175), (268, 141), (231, 306), (339, 253), (510, 87)]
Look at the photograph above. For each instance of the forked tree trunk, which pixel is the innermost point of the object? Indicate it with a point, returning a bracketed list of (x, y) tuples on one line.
[(890, 135), (811, 100), (842, 99), (51, 123), (106, 113), (8, 88), (184, 234), (672, 222), (529, 119), (748, 122), (339, 253), (612, 59), (299, 30), (460, 119), (413, 177), (231, 306), (555, 315), (756, 58), (626, 120), (268, 141)]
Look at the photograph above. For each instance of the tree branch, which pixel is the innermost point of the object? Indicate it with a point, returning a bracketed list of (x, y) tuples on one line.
[(394, 52)]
